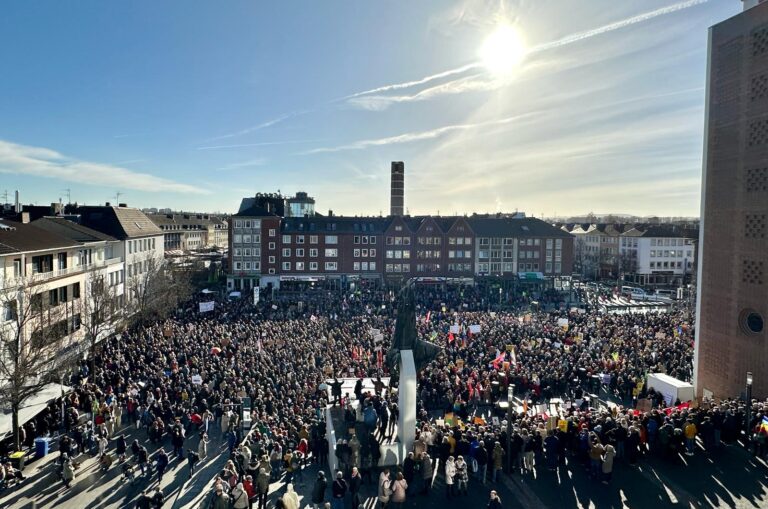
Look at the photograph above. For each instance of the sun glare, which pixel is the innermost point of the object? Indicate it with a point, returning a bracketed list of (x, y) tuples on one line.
[(503, 50)]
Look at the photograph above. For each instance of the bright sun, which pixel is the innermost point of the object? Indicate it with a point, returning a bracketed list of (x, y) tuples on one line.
[(503, 50)]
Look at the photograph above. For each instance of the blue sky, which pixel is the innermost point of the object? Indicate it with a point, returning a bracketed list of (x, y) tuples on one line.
[(194, 104)]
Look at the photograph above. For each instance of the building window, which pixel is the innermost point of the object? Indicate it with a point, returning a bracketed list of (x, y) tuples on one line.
[(356, 253), (313, 252), (299, 239), (356, 266), (372, 265), (286, 265), (238, 224), (271, 259), (272, 232), (558, 268), (313, 239), (364, 265), (331, 239), (286, 252), (299, 265), (365, 253), (286, 239), (299, 252), (331, 265), (271, 245), (312, 265), (238, 266), (357, 239), (372, 253), (331, 253), (271, 271)]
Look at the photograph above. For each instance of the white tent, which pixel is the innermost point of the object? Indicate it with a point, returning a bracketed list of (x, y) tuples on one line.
[(32, 406)]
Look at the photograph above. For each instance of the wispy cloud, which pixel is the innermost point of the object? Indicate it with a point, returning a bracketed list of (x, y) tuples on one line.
[(19, 159), (417, 136), (260, 126), (245, 164), (259, 144)]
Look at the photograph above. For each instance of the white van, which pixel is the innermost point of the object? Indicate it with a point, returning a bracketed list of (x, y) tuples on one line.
[(634, 293), (667, 294)]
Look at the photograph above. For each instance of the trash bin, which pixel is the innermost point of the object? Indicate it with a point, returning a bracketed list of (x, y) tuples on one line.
[(17, 460), (42, 445)]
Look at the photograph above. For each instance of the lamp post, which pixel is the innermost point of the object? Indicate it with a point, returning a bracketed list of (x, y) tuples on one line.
[(510, 399), (749, 404)]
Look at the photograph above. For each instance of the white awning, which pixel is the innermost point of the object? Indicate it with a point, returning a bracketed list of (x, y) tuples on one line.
[(32, 406)]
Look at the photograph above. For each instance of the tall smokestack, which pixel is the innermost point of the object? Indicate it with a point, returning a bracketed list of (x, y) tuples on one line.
[(17, 204), (397, 190)]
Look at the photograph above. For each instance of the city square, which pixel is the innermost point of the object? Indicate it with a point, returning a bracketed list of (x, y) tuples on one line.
[(202, 339)]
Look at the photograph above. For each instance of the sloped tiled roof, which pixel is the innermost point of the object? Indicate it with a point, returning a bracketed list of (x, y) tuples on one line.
[(119, 222), (25, 237), (71, 230), (335, 224)]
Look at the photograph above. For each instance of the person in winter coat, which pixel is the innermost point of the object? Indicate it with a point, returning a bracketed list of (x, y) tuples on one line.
[(339, 491), (608, 456), (202, 447), (462, 476), (262, 488), (426, 473), (162, 464), (318, 490), (219, 499), (494, 502), (291, 498), (498, 459), (399, 489), (239, 497), (68, 473), (450, 474), (385, 488), (355, 482), (409, 469)]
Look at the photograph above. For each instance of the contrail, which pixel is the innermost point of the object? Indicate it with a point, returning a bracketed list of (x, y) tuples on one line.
[(617, 25), (542, 47), (409, 84)]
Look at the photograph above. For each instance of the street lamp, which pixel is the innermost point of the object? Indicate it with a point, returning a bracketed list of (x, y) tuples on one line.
[(510, 398), (749, 404)]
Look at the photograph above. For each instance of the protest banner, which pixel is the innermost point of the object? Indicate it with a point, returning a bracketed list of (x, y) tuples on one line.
[(206, 306)]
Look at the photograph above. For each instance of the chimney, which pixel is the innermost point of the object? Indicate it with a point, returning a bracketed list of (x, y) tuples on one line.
[(124, 205), (397, 189), (107, 204), (330, 213), (17, 206)]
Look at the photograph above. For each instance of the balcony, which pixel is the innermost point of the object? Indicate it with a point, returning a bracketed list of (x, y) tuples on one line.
[(42, 277)]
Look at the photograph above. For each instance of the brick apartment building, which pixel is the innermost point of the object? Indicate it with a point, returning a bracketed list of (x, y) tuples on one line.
[(269, 249)]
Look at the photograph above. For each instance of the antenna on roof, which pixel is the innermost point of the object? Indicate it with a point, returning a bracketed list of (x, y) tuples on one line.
[(118, 194), (69, 195)]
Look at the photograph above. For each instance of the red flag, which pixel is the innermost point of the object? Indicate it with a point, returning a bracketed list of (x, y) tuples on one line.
[(429, 314), (450, 337)]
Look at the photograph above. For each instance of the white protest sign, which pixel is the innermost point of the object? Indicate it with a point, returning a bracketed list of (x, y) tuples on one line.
[(206, 306), (474, 329)]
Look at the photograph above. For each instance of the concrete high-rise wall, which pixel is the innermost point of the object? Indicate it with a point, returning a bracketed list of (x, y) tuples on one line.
[(397, 189), (732, 306)]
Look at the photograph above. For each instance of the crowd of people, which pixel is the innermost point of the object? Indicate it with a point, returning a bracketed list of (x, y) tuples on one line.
[(192, 374)]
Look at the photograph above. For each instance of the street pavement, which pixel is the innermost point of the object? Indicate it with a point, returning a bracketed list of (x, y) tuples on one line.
[(727, 478)]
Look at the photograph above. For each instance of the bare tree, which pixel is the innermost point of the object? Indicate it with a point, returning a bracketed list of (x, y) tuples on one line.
[(32, 337), (103, 313), (156, 290)]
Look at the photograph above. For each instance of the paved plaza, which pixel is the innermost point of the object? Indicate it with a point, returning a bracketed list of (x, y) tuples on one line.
[(729, 478)]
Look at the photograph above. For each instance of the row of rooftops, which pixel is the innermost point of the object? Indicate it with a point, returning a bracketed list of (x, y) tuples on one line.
[(633, 230), (479, 225), (34, 229), (187, 220), (46, 233)]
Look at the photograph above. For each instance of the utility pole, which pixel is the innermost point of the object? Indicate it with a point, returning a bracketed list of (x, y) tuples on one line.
[(69, 195)]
